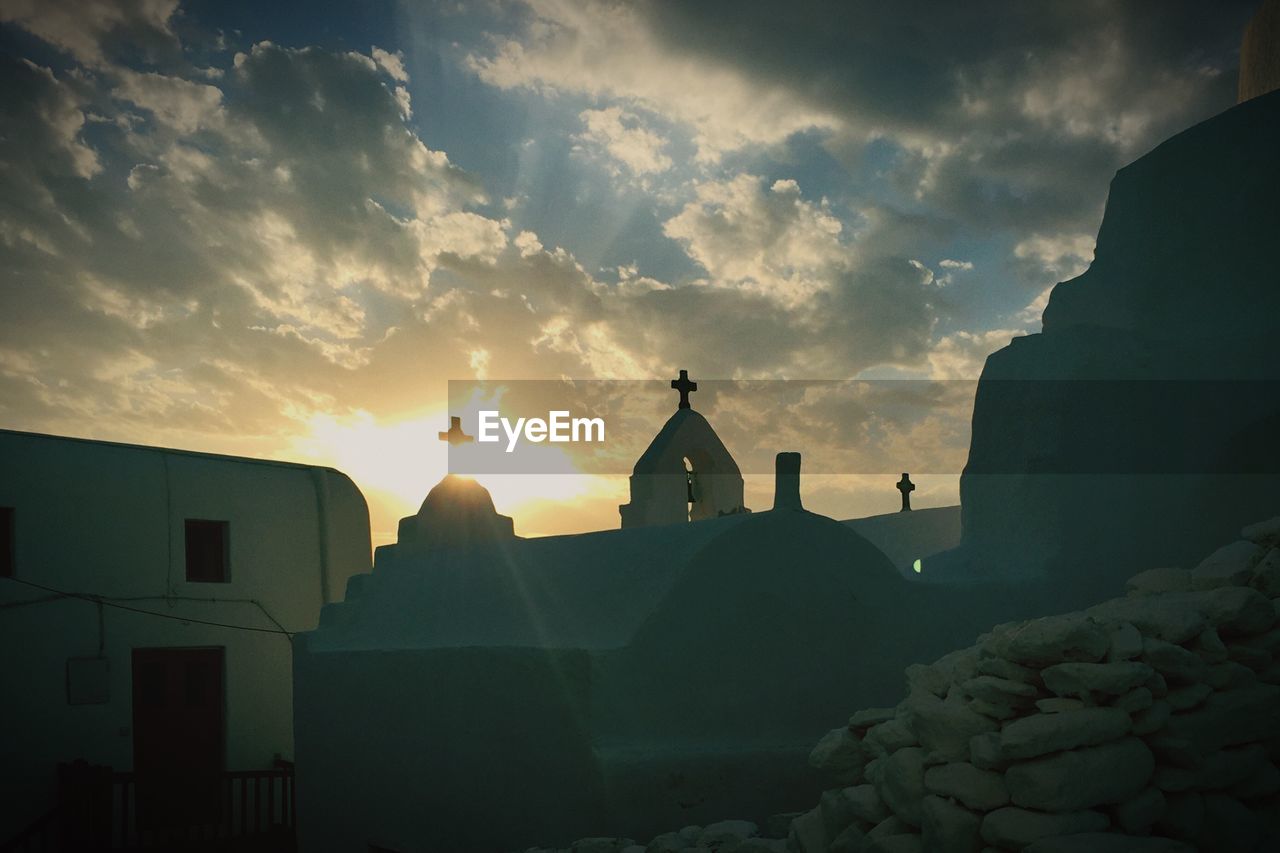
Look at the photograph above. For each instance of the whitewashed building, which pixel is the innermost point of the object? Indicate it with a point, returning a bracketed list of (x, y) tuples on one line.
[(147, 602)]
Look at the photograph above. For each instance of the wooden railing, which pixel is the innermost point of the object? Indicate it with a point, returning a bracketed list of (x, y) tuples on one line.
[(100, 810), (40, 836)]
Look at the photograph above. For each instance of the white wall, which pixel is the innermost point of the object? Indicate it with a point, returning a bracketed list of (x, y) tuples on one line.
[(109, 520)]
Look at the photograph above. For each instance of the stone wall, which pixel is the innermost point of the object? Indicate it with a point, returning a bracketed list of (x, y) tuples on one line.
[(1146, 723)]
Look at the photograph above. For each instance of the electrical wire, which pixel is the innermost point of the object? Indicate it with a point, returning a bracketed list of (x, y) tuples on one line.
[(106, 601)]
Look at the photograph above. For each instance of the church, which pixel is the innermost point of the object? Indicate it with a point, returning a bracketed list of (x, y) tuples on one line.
[(487, 689)]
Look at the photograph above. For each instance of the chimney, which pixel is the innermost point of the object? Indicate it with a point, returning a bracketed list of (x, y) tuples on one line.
[(786, 481)]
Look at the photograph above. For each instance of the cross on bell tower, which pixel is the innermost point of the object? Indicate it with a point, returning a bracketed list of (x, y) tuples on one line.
[(685, 387), (455, 435), (906, 487)]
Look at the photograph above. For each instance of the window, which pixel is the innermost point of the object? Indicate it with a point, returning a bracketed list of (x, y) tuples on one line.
[(6, 542), (207, 551)]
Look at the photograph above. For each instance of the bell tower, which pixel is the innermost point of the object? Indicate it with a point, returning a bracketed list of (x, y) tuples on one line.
[(686, 474)]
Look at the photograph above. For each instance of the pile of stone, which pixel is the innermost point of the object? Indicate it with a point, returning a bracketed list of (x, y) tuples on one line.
[(1145, 723), (726, 836)]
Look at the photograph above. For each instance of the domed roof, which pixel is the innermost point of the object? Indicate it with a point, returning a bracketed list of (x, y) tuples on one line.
[(457, 511)]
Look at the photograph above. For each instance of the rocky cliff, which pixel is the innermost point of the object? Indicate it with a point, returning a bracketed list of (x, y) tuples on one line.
[(1137, 425)]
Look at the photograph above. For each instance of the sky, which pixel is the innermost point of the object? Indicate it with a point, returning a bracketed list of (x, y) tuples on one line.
[(280, 229)]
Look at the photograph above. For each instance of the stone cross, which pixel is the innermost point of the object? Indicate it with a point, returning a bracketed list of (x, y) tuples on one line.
[(906, 487), (684, 386), (455, 435)]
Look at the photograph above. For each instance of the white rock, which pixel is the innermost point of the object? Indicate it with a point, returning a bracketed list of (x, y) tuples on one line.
[(977, 789), (1176, 751), (765, 845), (1173, 780), (1082, 778), (807, 834), (1266, 575), (668, 842), (1053, 639), (887, 737), (1265, 782), (892, 825), (1001, 668), (1015, 828), (984, 751), (1153, 719), (1138, 699), (902, 786), (1082, 680), (1107, 842), (1233, 610), (1185, 698), (1183, 816), (1139, 814), (1225, 768), (1157, 685), (1124, 642), (869, 717), (1058, 704), (992, 688), (1173, 662), (851, 840), (840, 754), (599, 845), (1263, 532), (948, 828), (922, 677), (1251, 656), (1208, 645), (1230, 565), (1269, 641), (1229, 825), (958, 665), (837, 812), (866, 804), (1229, 676), (1166, 616), (1040, 734), (944, 726), (997, 710), (903, 843), (726, 835), (1154, 581)]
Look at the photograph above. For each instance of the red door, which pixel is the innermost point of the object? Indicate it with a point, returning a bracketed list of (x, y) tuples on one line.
[(177, 735)]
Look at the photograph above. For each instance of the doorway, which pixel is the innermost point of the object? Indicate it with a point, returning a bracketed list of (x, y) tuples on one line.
[(178, 754)]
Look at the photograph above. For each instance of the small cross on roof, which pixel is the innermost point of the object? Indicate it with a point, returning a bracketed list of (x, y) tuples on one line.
[(685, 387)]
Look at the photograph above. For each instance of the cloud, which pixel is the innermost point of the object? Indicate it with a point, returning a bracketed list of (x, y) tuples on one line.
[(285, 219), (962, 355), (392, 63), (182, 105), (1000, 114), (44, 120), (90, 30), (1062, 256), (622, 137), (608, 50), (764, 239)]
